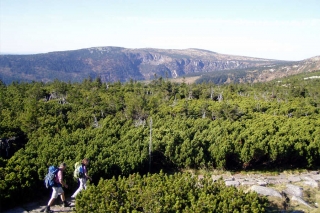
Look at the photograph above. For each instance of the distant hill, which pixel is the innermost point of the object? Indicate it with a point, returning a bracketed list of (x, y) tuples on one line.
[(256, 74), (122, 64)]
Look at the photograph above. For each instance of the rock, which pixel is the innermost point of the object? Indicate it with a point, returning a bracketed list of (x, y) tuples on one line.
[(250, 179), (262, 183), (293, 190), (300, 200), (294, 179), (240, 179), (229, 179), (271, 177), (248, 183), (272, 181), (232, 183), (215, 177), (312, 183), (309, 181), (265, 191), (283, 180), (307, 178), (315, 177)]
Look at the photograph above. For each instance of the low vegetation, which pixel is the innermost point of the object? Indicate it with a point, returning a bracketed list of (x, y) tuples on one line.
[(167, 193), (180, 126)]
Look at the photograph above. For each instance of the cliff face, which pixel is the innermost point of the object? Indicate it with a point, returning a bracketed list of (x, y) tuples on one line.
[(119, 64), (175, 63)]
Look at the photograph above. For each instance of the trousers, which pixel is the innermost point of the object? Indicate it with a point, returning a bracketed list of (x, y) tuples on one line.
[(82, 186)]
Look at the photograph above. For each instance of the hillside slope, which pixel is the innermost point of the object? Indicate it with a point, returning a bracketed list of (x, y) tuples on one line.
[(120, 64), (261, 73)]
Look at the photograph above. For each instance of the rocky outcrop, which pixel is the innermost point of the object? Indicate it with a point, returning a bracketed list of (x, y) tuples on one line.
[(293, 190), (174, 63), (268, 185), (265, 191)]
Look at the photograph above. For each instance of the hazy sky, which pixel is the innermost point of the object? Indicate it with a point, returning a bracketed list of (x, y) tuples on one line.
[(277, 29)]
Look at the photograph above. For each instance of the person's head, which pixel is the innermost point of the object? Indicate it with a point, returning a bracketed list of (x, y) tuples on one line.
[(85, 161), (62, 166)]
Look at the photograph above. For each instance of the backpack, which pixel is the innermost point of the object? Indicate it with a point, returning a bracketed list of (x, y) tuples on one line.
[(78, 170), (49, 179)]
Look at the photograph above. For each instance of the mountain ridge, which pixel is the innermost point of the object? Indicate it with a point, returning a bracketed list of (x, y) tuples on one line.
[(113, 64)]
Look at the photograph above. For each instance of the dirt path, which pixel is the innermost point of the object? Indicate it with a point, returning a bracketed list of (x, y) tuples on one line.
[(38, 206)]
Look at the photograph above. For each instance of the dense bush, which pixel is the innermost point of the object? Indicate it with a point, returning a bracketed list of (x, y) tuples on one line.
[(167, 193)]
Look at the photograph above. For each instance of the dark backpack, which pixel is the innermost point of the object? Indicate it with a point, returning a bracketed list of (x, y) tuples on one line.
[(49, 179)]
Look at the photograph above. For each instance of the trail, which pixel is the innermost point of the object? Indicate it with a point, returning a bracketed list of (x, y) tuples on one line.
[(39, 206)]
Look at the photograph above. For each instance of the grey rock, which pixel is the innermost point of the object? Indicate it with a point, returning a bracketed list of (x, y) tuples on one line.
[(300, 200), (240, 179), (262, 183), (282, 180), (294, 179), (250, 179), (215, 177), (229, 179), (265, 191), (315, 177), (314, 172), (294, 190), (312, 183), (272, 181), (307, 178), (248, 183), (271, 177), (232, 183)]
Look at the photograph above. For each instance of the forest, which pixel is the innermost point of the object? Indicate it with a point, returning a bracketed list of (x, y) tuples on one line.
[(150, 132)]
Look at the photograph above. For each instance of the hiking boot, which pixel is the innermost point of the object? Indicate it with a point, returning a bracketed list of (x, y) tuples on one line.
[(66, 204), (47, 209)]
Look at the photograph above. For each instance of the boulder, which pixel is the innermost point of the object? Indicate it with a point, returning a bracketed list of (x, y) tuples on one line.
[(313, 183), (315, 177), (232, 183), (262, 190), (248, 183), (310, 182), (300, 200), (294, 179), (293, 190), (262, 183)]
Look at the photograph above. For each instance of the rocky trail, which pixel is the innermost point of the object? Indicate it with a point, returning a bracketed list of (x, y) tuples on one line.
[(288, 191), (38, 206)]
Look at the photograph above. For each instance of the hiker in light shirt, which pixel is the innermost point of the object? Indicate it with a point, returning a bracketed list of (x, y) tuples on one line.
[(83, 179)]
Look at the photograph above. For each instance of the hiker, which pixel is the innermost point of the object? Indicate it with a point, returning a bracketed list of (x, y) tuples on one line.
[(57, 188), (83, 177)]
